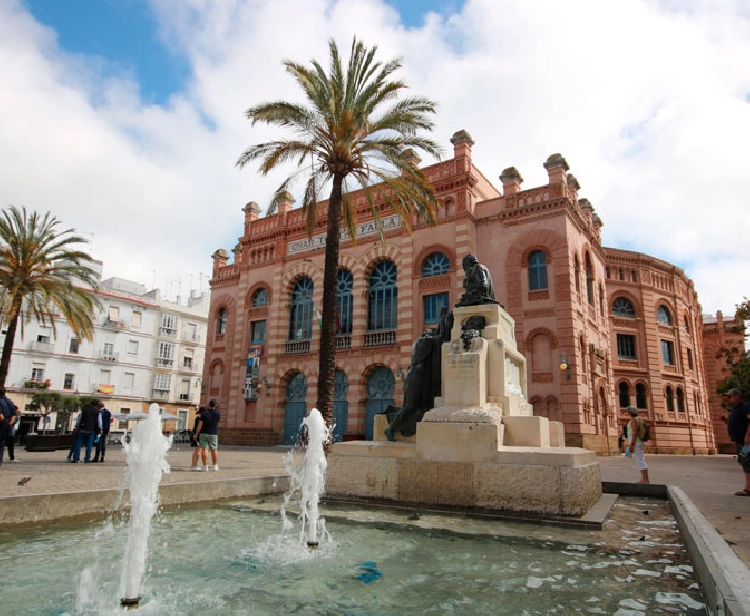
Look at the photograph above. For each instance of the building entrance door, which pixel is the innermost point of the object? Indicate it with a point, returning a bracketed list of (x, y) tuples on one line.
[(340, 406), (294, 408), (380, 387)]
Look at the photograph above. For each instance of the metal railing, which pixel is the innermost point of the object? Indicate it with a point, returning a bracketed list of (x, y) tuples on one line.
[(380, 338), (297, 347)]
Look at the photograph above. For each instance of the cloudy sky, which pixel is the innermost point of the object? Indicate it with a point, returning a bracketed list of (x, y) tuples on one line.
[(125, 117)]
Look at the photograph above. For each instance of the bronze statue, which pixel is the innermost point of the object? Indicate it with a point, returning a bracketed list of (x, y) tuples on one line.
[(477, 284), (423, 379)]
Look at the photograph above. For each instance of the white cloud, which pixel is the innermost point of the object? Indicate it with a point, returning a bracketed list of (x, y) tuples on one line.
[(648, 101)]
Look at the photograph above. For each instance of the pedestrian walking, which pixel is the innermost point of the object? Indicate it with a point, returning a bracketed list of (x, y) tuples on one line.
[(207, 432), (8, 417), (89, 425), (636, 445), (105, 417), (737, 423)]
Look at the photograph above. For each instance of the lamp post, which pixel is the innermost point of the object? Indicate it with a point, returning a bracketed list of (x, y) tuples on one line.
[(564, 365)]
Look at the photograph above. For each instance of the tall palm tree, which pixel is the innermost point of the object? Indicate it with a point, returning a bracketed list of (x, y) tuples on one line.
[(39, 271), (354, 129)]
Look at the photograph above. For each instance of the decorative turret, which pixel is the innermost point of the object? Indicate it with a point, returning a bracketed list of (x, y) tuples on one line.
[(220, 259), (573, 186), (252, 212), (556, 167), (411, 156), (462, 143), (285, 202), (511, 180)]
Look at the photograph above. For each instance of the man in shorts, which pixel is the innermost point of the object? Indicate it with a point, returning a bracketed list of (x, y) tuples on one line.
[(739, 418), (207, 433)]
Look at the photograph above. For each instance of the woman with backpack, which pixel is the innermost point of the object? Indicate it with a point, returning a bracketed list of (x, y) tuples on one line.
[(636, 442)]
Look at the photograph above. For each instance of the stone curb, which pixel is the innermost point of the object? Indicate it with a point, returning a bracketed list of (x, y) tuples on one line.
[(724, 577), (97, 504)]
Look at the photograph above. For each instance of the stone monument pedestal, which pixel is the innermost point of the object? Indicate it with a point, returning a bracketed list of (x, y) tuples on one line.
[(481, 446)]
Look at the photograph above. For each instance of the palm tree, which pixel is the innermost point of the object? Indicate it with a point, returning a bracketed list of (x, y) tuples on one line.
[(38, 273), (354, 129)]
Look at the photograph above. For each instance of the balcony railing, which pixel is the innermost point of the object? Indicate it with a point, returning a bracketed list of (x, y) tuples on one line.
[(168, 332), (160, 393), (184, 397), (109, 356), (163, 362), (380, 338), (297, 347), (344, 342), (42, 347), (192, 337)]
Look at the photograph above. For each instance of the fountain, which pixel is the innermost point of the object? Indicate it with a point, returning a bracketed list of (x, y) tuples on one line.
[(146, 456), (308, 479)]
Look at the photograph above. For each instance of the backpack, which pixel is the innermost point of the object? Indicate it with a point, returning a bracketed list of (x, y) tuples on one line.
[(644, 431)]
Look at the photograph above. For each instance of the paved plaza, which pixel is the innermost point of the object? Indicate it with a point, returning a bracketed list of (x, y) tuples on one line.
[(709, 481)]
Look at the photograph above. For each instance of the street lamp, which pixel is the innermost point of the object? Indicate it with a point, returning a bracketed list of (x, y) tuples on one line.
[(564, 365)]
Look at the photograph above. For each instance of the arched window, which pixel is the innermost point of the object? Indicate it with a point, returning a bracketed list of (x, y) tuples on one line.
[(622, 307), (344, 302), (602, 311), (663, 316), (221, 322), (381, 303), (578, 275), (680, 400), (670, 399), (537, 270), (435, 265), (589, 280), (687, 325), (641, 401), (624, 395), (260, 298), (301, 312)]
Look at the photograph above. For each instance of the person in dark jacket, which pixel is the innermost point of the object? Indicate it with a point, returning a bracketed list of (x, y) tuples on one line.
[(106, 421), (89, 424), (8, 418), (207, 432), (739, 416)]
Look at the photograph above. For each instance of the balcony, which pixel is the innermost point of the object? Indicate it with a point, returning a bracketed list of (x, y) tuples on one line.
[(184, 397), (343, 342), (384, 337), (297, 347), (114, 325), (168, 332), (192, 338), (163, 362), (42, 347), (160, 394), (109, 356)]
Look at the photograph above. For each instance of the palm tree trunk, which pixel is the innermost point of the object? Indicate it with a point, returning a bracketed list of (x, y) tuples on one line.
[(327, 359), (10, 337)]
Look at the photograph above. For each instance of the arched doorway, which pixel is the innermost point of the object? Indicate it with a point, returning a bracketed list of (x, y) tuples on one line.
[(380, 387), (295, 407), (340, 406)]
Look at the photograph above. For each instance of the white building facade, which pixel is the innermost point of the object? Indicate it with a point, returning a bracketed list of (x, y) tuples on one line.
[(145, 350)]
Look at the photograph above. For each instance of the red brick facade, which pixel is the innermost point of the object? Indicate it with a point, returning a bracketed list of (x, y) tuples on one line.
[(562, 308)]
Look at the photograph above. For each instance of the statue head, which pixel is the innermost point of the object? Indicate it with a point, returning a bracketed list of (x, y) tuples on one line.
[(469, 261)]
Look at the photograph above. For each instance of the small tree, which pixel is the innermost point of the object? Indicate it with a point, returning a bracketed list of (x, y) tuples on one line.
[(736, 356), (46, 402)]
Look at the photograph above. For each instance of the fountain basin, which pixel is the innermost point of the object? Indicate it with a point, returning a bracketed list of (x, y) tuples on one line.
[(374, 562)]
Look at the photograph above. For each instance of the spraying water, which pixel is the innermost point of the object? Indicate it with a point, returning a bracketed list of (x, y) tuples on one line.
[(309, 478), (146, 456)]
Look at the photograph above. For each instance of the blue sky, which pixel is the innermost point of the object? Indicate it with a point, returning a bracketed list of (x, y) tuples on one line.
[(126, 35), (125, 117)]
